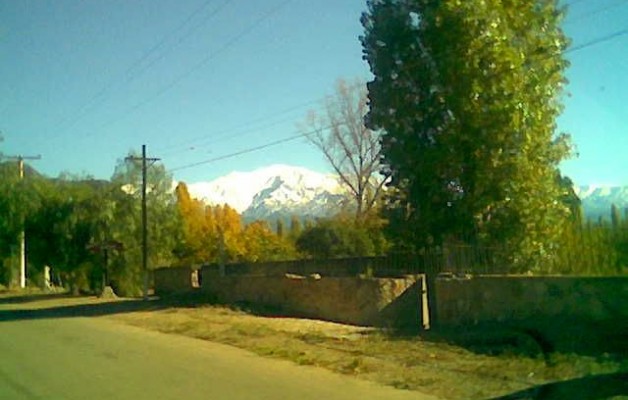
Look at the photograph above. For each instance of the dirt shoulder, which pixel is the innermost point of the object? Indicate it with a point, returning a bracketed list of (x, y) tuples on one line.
[(498, 365)]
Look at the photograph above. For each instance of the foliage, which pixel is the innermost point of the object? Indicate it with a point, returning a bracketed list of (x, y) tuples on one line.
[(262, 244), (467, 93), (214, 234), (342, 237), (594, 248), (296, 227), (280, 227), (66, 222), (195, 245), (352, 149), (124, 223), (18, 200)]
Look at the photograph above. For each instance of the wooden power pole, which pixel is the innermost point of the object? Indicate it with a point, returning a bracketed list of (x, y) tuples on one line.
[(144, 161), (20, 165)]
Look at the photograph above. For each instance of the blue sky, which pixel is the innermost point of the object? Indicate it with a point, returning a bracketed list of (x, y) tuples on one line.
[(83, 82)]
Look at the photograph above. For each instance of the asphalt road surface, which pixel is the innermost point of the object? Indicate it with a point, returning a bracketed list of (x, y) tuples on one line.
[(89, 358)]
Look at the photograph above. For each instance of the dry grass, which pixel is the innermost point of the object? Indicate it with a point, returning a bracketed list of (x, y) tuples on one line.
[(424, 363), (486, 364)]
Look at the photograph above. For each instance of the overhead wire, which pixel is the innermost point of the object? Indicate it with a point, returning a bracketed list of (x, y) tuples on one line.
[(205, 140), (595, 41), (226, 137), (251, 149), (189, 33), (184, 146), (135, 70), (574, 2), (230, 43), (302, 135)]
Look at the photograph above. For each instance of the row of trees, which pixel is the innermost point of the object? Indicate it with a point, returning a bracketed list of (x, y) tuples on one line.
[(216, 234), (66, 218), (71, 221), (594, 247)]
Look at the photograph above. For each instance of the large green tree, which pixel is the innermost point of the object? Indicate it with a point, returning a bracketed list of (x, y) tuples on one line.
[(467, 92), (124, 222), (70, 218), (342, 236)]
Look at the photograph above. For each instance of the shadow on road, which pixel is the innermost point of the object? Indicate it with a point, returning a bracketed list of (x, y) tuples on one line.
[(21, 299), (97, 308), (587, 388)]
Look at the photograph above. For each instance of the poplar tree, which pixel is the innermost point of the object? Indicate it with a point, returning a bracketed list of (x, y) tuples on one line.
[(467, 93), (615, 217)]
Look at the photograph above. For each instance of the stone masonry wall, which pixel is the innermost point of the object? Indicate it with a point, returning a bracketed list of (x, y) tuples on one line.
[(353, 300), (508, 298), (359, 301), (172, 280)]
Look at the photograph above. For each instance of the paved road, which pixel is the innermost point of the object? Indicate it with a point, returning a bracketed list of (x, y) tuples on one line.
[(89, 358)]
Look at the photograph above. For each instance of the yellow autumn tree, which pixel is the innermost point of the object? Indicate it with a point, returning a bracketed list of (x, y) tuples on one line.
[(262, 244), (227, 225), (214, 234), (192, 249)]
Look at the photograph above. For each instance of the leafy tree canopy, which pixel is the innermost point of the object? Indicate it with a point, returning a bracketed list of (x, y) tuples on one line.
[(467, 93)]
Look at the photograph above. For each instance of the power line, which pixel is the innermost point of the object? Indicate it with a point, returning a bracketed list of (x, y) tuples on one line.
[(593, 42), (573, 2), (188, 34), (135, 70), (198, 65), (249, 150), (290, 138), (205, 140)]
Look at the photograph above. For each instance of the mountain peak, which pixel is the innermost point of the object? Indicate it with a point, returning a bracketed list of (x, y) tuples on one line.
[(273, 191)]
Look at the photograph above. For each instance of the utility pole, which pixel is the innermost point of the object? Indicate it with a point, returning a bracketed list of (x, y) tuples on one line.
[(20, 165), (144, 161)]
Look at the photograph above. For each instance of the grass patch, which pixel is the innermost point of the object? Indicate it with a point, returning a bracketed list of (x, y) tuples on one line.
[(484, 367)]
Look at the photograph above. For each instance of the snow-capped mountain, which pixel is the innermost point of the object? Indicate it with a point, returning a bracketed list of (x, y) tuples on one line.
[(279, 191), (273, 192), (597, 200)]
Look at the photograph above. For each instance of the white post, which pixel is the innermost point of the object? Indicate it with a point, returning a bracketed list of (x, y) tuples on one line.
[(22, 236), (20, 164), (22, 260)]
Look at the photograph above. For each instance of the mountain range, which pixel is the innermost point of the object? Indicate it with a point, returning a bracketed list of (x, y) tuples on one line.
[(273, 192), (597, 200), (279, 191)]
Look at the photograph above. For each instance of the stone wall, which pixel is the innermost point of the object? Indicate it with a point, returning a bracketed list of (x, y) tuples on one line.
[(544, 304), (360, 301), (172, 281), (507, 298), (587, 315)]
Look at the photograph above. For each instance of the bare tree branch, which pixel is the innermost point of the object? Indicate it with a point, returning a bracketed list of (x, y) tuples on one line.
[(352, 150)]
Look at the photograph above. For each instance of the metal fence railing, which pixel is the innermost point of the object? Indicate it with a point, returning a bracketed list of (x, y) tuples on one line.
[(454, 259)]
